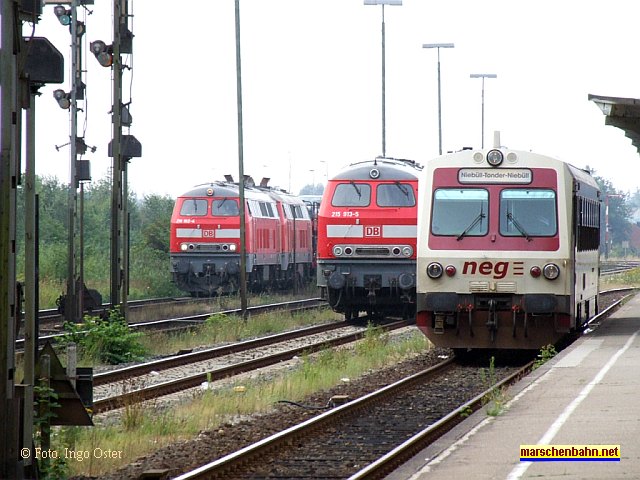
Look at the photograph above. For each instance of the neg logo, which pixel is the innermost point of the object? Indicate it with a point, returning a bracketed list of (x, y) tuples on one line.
[(497, 270)]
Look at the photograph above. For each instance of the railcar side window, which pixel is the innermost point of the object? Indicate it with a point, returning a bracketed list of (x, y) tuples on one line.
[(226, 207), (460, 212), (395, 195), (352, 194), (528, 212), (193, 207)]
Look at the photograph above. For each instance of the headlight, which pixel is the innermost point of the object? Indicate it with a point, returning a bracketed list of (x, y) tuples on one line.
[(407, 251), (183, 247), (337, 251), (494, 158), (434, 270), (232, 247), (551, 271)]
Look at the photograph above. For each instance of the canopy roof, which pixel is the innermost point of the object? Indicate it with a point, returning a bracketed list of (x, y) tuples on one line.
[(623, 113)]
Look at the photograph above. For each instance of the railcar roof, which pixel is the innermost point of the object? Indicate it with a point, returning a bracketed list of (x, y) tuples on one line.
[(225, 189), (389, 168)]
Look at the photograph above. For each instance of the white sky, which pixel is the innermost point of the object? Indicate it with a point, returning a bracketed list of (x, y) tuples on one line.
[(311, 75)]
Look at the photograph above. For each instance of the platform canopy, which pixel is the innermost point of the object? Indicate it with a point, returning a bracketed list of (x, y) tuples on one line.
[(623, 113)]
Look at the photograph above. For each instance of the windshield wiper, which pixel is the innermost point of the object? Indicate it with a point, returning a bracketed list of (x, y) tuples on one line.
[(357, 189), (519, 227), (475, 221), (402, 188)]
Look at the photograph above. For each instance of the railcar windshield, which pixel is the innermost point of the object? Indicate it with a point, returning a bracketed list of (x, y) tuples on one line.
[(193, 207), (395, 195), (460, 212), (528, 213), (225, 207), (352, 194)]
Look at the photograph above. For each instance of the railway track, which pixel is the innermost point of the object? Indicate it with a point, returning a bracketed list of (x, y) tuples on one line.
[(613, 267), (186, 322), (286, 451), (341, 442), (179, 380)]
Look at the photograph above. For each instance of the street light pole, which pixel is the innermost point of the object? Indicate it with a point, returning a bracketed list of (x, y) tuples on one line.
[(384, 116), (438, 46), (483, 76)]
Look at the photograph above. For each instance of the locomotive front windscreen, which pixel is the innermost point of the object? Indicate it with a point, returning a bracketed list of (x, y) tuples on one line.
[(352, 194), (193, 207), (225, 207), (459, 212), (395, 195), (528, 212)]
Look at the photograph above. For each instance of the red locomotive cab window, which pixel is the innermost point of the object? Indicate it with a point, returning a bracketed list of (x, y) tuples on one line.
[(351, 194), (194, 207), (225, 207), (395, 195), (528, 212)]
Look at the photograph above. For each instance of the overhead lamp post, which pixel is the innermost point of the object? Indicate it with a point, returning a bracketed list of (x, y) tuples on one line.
[(438, 46), (384, 117), (483, 76), (326, 169)]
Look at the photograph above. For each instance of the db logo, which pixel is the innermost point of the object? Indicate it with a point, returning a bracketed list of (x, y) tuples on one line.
[(208, 233), (371, 231)]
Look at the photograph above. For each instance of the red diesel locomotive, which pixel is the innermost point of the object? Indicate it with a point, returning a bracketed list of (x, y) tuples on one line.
[(205, 239), (367, 238)]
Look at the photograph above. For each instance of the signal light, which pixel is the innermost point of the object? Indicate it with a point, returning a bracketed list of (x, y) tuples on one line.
[(64, 15), (63, 98), (102, 52)]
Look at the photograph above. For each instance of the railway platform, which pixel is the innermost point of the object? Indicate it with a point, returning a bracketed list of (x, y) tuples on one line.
[(589, 394)]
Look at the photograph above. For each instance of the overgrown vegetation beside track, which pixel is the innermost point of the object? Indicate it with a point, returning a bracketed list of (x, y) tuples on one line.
[(629, 278), (212, 408)]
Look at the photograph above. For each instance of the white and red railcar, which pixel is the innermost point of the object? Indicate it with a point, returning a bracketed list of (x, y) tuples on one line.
[(205, 239), (367, 238), (508, 249)]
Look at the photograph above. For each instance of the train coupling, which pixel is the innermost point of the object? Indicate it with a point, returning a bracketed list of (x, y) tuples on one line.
[(438, 325)]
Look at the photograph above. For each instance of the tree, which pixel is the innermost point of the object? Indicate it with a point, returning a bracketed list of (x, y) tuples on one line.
[(616, 213), (311, 189)]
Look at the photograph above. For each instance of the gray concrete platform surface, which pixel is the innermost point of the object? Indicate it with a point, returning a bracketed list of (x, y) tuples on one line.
[(589, 394)]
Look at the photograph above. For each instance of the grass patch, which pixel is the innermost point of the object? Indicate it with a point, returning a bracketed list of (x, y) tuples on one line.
[(497, 398), (546, 353), (630, 278), (215, 407), (220, 328)]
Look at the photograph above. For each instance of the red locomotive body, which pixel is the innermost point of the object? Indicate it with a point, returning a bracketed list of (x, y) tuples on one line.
[(367, 238), (205, 239)]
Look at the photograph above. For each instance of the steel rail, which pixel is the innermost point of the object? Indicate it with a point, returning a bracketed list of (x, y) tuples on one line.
[(409, 448), (294, 305), (173, 386), (218, 468), (210, 353)]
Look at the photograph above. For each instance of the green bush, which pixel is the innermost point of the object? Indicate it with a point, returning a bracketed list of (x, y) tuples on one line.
[(109, 341)]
